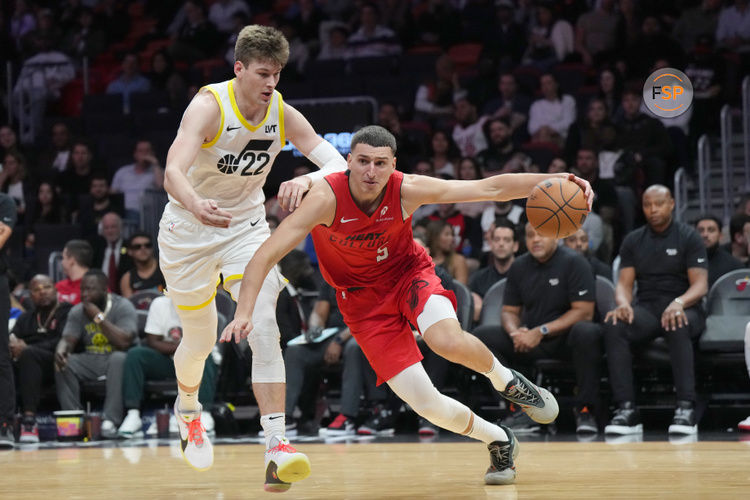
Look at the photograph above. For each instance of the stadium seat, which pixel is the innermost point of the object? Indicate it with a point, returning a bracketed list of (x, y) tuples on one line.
[(728, 311), (465, 304), (492, 304), (142, 299)]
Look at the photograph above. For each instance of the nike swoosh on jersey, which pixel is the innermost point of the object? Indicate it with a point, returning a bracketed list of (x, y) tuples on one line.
[(582, 292), (254, 223), (229, 129), (344, 221)]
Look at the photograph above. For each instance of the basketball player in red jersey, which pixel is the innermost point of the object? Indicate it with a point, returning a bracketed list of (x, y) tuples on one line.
[(361, 226)]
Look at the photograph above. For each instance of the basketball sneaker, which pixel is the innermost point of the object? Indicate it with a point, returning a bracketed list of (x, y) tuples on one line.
[(537, 402), (585, 421), (380, 423), (683, 421), (284, 465), (29, 431), (626, 420), (132, 426), (519, 421), (502, 469), (194, 443), (744, 425), (341, 426), (7, 439)]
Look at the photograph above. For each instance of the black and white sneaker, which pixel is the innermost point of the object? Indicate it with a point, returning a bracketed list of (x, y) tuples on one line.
[(626, 420), (537, 402), (7, 437), (502, 469), (380, 423), (519, 422), (683, 421), (585, 421)]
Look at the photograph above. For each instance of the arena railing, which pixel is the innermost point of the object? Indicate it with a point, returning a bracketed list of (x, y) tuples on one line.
[(704, 172), (680, 194), (746, 128)]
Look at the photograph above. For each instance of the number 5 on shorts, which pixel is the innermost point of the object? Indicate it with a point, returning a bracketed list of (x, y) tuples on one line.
[(382, 253)]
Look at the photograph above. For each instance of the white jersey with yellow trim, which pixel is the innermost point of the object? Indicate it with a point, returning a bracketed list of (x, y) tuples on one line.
[(232, 168)]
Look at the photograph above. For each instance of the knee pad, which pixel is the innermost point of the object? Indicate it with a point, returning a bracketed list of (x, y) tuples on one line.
[(268, 363), (198, 340)]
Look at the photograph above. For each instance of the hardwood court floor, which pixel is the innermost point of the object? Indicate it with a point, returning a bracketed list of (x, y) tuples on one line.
[(388, 470)]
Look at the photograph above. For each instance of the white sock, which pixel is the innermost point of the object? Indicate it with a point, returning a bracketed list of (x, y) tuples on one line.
[(188, 400), (485, 431), (499, 375), (273, 427)]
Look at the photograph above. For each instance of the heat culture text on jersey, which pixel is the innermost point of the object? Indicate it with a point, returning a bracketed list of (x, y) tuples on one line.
[(361, 240)]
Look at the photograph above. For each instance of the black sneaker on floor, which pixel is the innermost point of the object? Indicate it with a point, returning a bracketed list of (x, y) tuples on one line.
[(519, 422), (7, 438), (683, 421), (502, 469), (536, 401), (380, 423), (626, 420), (585, 421)]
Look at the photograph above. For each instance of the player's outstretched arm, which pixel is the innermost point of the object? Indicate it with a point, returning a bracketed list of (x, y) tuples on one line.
[(421, 190), (199, 124), (318, 207), (316, 149)]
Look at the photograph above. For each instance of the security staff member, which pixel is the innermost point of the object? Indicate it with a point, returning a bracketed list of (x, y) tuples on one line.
[(7, 387), (668, 259), (547, 311)]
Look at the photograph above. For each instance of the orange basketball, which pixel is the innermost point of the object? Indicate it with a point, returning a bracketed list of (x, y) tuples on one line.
[(556, 208)]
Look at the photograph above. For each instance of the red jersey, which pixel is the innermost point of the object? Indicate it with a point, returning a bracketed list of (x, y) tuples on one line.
[(358, 250), (69, 291)]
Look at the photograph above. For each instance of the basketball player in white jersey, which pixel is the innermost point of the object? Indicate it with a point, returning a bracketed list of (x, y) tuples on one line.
[(225, 146)]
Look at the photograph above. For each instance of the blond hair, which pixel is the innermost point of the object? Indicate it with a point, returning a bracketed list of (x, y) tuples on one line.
[(261, 43)]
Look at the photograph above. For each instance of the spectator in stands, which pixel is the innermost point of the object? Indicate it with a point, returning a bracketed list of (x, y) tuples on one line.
[(55, 158), (610, 91), (307, 20), (720, 261), (77, 256), (745, 424), (153, 360), (500, 148), (548, 307), (135, 179), (506, 209), (469, 170), (557, 165), (503, 247), (7, 388), (706, 72), (579, 241), (22, 23), (13, 181), (409, 144), (696, 21), (506, 41), (296, 267), (443, 154), (596, 132), (441, 240), (467, 132), (511, 104), (86, 39), (551, 116), (194, 36), (41, 80), (97, 203), (75, 180), (435, 97), (605, 202), (8, 140), (644, 139), (145, 274), (130, 81), (110, 251), (669, 261), (161, 70), (48, 209), (334, 44), (551, 40), (733, 30), (652, 44), (32, 347), (105, 324), (435, 24), (596, 32), (372, 39), (220, 13), (739, 237)]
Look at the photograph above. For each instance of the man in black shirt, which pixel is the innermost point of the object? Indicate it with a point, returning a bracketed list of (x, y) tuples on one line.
[(503, 246), (547, 311), (32, 345), (7, 387), (668, 260), (579, 241), (720, 261)]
